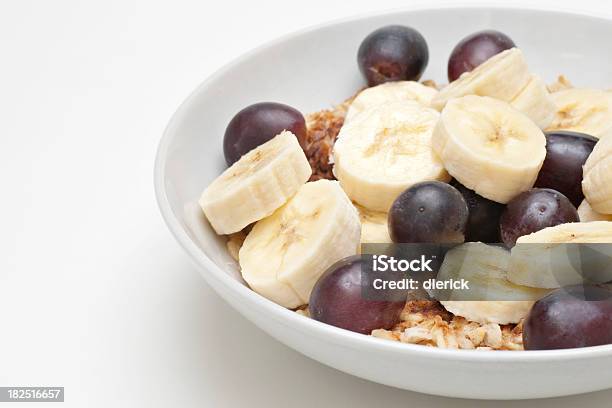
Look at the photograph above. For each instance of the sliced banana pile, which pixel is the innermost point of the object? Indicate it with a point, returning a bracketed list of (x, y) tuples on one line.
[(288, 247), (484, 129), (485, 268), (384, 150)]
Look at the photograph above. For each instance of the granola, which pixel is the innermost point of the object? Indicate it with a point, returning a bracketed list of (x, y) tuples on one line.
[(322, 129), (427, 323)]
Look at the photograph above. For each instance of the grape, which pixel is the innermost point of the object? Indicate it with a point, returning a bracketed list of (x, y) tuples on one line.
[(483, 219), (428, 212), (393, 53), (337, 299), (576, 316), (258, 123), (475, 49), (534, 210), (566, 153)]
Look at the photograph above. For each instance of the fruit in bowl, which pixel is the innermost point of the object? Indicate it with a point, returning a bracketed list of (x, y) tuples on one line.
[(393, 53), (493, 157), (576, 316)]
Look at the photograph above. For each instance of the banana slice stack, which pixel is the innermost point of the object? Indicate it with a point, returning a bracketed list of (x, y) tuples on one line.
[(288, 247)]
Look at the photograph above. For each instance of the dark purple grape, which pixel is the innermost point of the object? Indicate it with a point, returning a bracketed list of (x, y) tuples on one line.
[(566, 153), (393, 53), (428, 212), (258, 123), (475, 49), (337, 299), (534, 210), (483, 219), (576, 316)]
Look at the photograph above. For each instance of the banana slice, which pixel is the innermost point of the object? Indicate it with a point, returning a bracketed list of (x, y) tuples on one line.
[(489, 146), (547, 258), (587, 214), (256, 185), (285, 253), (385, 150), (374, 228), (484, 267), (502, 76), (583, 110), (535, 101), (399, 91), (597, 180), (573, 232)]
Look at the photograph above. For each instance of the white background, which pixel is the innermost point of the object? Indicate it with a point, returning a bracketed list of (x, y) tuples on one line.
[(95, 295)]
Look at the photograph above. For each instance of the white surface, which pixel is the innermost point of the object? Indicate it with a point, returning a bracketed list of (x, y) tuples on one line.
[(95, 295)]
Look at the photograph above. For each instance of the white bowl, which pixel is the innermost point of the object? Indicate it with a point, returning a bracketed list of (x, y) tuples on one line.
[(313, 69)]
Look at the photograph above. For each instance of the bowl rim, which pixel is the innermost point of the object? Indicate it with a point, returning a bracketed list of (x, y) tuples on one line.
[(306, 325)]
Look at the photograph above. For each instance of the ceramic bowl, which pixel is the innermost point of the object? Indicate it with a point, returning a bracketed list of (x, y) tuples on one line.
[(313, 69)]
